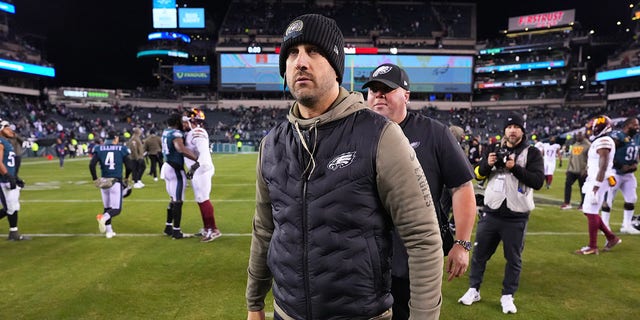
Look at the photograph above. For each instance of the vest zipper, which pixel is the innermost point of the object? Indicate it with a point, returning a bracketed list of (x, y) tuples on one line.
[(305, 250)]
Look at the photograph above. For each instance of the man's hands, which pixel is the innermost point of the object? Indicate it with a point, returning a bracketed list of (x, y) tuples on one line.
[(192, 170), (457, 262), (256, 315)]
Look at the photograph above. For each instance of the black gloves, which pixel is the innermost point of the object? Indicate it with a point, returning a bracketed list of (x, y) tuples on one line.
[(12, 181), (192, 170)]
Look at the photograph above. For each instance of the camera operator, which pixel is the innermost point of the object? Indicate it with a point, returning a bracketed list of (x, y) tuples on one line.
[(513, 169)]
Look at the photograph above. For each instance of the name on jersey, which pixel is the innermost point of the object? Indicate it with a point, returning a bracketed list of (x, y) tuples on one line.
[(110, 148)]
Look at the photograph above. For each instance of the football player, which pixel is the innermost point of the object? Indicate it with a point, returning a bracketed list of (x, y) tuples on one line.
[(111, 157), (599, 169), (551, 151), (10, 184), (197, 141), (625, 162), (172, 172)]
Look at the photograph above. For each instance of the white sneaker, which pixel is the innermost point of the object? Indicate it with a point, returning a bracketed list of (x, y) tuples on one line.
[(507, 304), (155, 179), (629, 230), (138, 185), (110, 234), (472, 295)]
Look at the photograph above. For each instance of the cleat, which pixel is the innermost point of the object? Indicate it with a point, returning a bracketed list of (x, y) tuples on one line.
[(200, 232), (566, 206), (211, 235), (507, 304), (110, 234), (629, 230), (138, 185), (16, 236), (177, 234), (587, 250), (102, 223), (611, 243), (168, 230), (472, 295)]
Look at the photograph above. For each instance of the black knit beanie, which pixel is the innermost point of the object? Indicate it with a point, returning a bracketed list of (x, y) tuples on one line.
[(317, 30)]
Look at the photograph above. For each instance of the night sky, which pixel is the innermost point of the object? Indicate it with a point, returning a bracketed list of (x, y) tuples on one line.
[(94, 46)]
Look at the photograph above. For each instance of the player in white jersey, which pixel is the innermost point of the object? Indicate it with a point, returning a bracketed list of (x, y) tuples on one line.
[(550, 152), (540, 145), (598, 182), (197, 141)]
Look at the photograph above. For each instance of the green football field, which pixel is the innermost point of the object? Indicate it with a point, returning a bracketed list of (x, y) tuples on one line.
[(70, 271)]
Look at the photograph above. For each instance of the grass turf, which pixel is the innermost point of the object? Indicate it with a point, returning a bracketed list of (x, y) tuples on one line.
[(70, 271)]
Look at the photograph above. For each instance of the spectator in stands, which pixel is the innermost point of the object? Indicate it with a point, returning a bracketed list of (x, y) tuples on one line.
[(434, 144), (360, 154), (625, 163), (577, 169), (513, 169), (598, 182), (153, 150), (475, 154)]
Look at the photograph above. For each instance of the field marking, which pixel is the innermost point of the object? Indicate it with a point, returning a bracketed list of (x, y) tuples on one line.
[(133, 235), (126, 200), (160, 235)]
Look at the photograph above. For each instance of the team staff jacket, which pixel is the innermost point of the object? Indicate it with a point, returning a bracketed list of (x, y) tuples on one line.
[(324, 213), (434, 144), (517, 183)]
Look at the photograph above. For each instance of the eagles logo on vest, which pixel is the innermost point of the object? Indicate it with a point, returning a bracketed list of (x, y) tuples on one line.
[(341, 161)]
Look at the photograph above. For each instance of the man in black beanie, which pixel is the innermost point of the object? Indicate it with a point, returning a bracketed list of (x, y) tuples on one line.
[(332, 182), (512, 169)]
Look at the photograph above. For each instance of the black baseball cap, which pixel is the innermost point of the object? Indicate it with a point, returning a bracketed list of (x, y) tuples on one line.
[(390, 75)]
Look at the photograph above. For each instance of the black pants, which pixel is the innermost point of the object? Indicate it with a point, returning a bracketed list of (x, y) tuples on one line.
[(156, 162), (571, 179), (491, 229), (138, 169)]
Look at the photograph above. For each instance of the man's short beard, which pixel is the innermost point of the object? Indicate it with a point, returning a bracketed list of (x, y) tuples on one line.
[(306, 100)]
